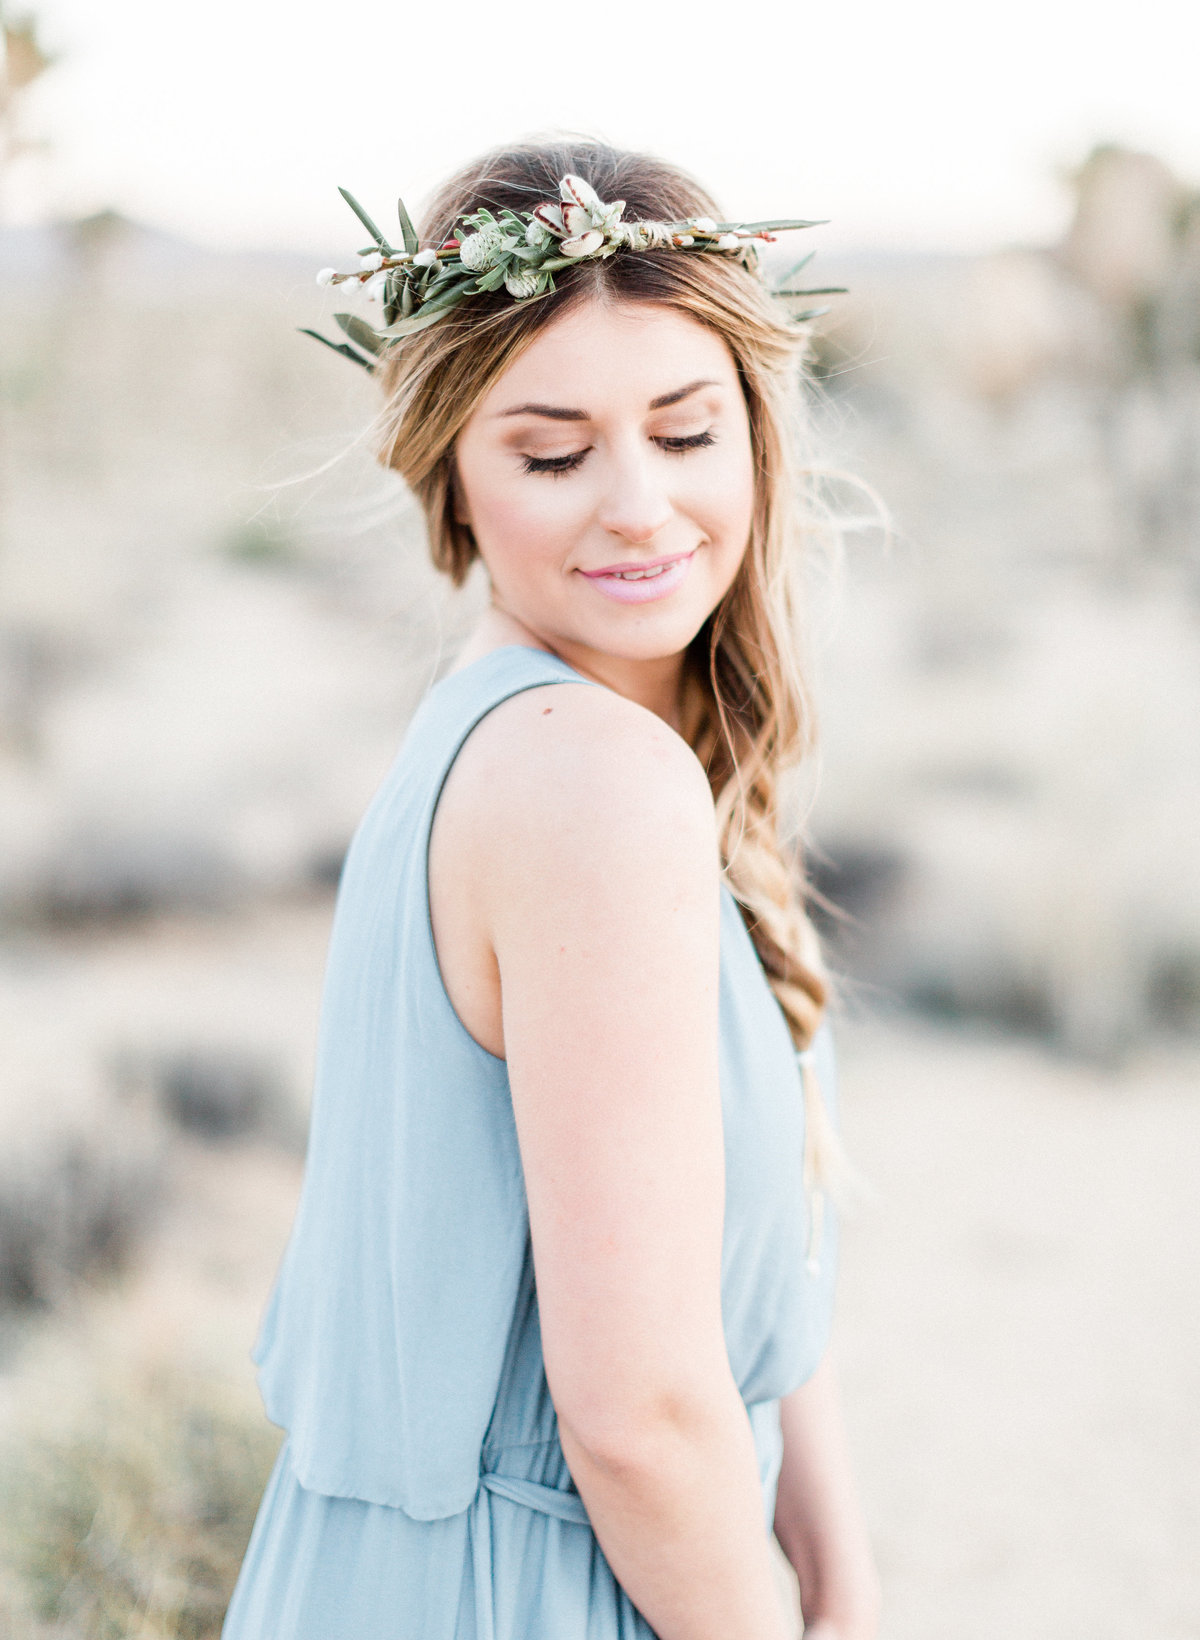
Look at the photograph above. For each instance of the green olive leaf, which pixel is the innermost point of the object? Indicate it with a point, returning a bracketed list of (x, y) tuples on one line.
[(338, 347), (791, 273), (370, 226), (409, 233), (359, 332), (423, 318), (768, 227), (492, 279)]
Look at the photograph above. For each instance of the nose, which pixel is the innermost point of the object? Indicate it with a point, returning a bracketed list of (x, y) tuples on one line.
[(635, 503)]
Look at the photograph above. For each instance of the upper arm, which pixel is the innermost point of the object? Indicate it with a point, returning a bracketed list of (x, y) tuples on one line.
[(600, 889)]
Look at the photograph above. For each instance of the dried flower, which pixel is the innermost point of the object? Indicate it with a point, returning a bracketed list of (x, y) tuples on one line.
[(550, 219), (523, 282), (583, 208), (586, 244), (482, 250), (582, 221), (517, 251)]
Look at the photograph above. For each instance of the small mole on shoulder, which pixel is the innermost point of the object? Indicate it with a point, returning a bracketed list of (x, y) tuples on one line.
[(546, 711)]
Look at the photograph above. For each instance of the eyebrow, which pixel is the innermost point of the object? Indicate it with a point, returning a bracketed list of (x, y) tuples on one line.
[(560, 412)]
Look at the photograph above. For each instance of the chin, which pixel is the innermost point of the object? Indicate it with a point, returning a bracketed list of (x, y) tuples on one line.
[(644, 637)]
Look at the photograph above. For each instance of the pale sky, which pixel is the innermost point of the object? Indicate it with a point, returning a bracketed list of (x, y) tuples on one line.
[(926, 125)]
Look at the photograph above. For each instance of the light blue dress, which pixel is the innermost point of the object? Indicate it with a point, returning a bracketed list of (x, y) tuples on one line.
[(421, 1492)]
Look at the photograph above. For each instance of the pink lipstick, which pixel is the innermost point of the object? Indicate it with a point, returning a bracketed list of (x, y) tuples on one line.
[(640, 583)]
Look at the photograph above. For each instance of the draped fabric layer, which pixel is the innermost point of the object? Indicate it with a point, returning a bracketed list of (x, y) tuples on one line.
[(421, 1491)]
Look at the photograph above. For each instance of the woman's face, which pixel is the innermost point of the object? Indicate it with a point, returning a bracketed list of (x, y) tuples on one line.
[(608, 477)]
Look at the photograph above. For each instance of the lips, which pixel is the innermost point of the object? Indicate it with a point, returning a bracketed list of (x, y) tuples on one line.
[(632, 582), (637, 569)]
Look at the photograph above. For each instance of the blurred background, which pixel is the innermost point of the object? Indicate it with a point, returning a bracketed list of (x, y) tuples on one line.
[(216, 616)]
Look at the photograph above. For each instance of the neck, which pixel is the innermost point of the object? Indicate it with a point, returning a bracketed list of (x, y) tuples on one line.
[(656, 684)]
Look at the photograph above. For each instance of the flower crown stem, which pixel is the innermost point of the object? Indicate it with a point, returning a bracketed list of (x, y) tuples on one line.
[(521, 252)]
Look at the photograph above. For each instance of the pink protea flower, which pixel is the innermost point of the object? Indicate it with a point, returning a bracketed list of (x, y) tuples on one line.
[(550, 217), (583, 208), (581, 220), (584, 244)]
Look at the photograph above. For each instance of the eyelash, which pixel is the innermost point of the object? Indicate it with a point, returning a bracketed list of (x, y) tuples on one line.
[(560, 466)]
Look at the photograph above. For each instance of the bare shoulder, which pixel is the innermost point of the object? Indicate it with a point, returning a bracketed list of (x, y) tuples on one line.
[(575, 828), (593, 880), (575, 766)]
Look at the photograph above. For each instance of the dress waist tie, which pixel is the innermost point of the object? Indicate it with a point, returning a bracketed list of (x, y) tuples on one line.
[(547, 1499)]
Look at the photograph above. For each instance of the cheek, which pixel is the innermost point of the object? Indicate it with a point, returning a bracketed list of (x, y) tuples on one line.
[(724, 496), (515, 514)]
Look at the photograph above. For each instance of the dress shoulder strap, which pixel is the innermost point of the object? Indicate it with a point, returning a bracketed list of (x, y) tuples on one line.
[(458, 701), (383, 1341)]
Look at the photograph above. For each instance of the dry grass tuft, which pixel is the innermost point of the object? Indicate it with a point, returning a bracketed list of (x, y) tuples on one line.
[(129, 1520)]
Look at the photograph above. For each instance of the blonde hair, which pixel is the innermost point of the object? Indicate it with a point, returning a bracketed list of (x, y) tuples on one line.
[(748, 711)]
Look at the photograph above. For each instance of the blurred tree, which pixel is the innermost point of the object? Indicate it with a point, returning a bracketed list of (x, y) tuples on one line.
[(1134, 245), (25, 60)]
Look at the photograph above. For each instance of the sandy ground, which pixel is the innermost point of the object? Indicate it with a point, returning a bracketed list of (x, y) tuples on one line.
[(1018, 1324), (1020, 1336)]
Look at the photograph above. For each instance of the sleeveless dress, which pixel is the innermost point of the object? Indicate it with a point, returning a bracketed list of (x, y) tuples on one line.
[(421, 1492)]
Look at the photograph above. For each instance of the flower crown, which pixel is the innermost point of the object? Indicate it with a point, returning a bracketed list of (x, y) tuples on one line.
[(521, 251)]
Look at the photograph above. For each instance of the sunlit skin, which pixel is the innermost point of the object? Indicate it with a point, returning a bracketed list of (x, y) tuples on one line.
[(573, 888), (618, 438)]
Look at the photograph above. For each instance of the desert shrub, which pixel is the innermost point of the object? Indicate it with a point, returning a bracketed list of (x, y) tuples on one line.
[(73, 1204), (131, 1517), (261, 541), (120, 874), (222, 1093)]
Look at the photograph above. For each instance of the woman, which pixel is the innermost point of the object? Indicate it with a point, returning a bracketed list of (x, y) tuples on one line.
[(549, 1337)]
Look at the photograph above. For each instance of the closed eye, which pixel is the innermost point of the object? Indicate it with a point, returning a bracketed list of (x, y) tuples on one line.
[(557, 465), (695, 441), (560, 465)]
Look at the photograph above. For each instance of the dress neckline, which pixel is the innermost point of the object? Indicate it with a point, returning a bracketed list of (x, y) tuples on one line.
[(508, 648)]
